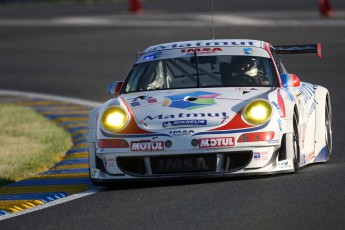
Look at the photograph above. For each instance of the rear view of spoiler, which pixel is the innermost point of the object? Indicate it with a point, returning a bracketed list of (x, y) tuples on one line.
[(299, 49)]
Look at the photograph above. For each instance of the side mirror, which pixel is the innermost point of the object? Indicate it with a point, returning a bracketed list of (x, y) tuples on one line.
[(290, 80), (114, 88)]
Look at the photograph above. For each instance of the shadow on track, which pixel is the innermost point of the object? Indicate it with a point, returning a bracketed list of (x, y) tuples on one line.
[(130, 185)]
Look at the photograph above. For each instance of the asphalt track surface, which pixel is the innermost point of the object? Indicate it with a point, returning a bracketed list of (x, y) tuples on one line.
[(80, 60)]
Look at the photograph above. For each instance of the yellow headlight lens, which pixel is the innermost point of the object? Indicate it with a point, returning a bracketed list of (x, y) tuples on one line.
[(114, 119), (257, 112)]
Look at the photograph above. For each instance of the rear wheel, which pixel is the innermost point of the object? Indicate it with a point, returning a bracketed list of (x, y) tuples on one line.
[(295, 143), (328, 128)]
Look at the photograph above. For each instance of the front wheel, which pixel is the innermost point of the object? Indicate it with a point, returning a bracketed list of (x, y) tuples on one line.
[(291, 146), (295, 143)]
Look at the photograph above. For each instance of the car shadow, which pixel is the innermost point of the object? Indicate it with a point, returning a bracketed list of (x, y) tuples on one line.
[(130, 185)]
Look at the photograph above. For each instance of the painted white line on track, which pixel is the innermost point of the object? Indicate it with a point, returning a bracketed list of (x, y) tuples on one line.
[(236, 20), (51, 97), (54, 98), (94, 21), (55, 202), (196, 20)]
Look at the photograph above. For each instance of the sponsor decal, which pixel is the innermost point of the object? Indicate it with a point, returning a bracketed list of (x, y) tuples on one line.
[(280, 111), (206, 50), (283, 164), (94, 172), (312, 108), (248, 51), (181, 132), (153, 56), (183, 115), (216, 142), (281, 105), (257, 156), (202, 44), (308, 91), (190, 101), (184, 123), (138, 101), (147, 146), (290, 95), (273, 141), (110, 162)]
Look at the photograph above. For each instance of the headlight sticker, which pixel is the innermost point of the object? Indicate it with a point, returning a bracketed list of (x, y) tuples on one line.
[(257, 112), (114, 119)]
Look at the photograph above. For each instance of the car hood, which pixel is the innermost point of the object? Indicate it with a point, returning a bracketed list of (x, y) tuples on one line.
[(197, 108)]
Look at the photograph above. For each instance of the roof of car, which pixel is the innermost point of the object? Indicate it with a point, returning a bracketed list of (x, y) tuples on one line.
[(207, 43)]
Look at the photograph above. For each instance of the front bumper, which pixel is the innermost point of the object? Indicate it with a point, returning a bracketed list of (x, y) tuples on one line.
[(109, 166)]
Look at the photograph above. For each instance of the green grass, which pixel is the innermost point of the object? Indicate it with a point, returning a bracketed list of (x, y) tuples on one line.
[(29, 143)]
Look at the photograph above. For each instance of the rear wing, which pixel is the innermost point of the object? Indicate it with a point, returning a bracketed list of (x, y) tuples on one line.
[(299, 49)]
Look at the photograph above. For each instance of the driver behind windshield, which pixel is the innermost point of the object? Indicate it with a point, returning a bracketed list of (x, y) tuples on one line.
[(248, 68)]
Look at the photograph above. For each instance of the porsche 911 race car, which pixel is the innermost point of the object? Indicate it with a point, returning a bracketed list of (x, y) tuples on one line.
[(209, 108)]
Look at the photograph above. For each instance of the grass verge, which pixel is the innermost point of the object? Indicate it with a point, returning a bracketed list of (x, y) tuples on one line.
[(29, 143)]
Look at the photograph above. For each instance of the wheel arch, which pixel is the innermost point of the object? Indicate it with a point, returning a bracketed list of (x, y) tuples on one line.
[(322, 98)]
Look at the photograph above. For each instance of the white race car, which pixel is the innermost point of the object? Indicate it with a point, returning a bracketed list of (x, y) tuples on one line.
[(209, 108)]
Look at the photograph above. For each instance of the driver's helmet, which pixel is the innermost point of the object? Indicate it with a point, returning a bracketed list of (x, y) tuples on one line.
[(244, 65)]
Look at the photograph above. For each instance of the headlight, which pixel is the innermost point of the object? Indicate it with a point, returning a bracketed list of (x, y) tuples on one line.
[(114, 119), (257, 112)]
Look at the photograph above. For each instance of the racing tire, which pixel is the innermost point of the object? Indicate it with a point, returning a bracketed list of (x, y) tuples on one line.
[(328, 127), (295, 143)]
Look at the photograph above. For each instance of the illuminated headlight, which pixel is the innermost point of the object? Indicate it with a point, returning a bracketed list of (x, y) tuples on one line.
[(114, 119), (257, 112)]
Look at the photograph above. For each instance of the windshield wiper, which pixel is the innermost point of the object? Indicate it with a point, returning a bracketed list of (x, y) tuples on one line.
[(197, 70)]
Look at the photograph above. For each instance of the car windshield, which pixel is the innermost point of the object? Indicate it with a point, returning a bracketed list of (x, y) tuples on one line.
[(201, 71)]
